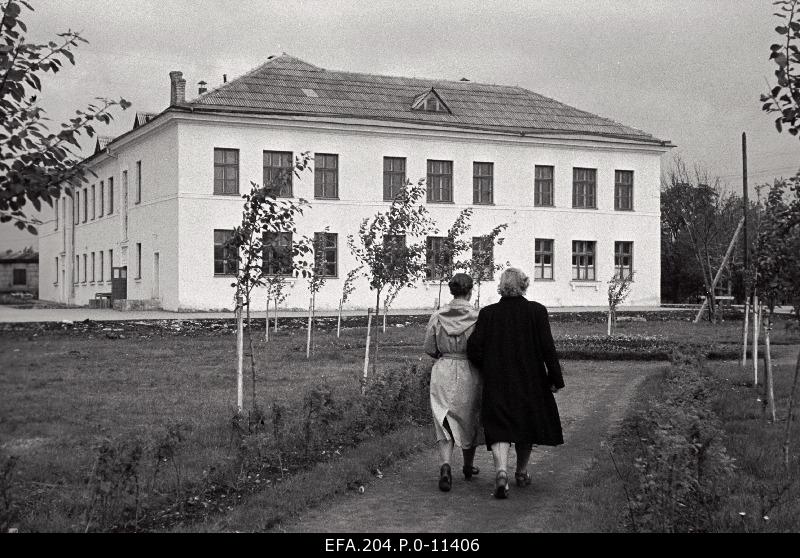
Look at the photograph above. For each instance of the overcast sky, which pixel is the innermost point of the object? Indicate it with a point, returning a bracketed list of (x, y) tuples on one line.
[(690, 71)]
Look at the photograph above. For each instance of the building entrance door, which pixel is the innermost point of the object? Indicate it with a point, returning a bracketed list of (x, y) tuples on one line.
[(119, 283)]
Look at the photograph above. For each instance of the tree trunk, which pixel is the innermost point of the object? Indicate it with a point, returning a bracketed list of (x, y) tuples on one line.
[(275, 329), (439, 299), (789, 419), (266, 323), (756, 325), (768, 366), (366, 352), (339, 321), (308, 335), (252, 352), (385, 311), (744, 329), (609, 323), (377, 336), (239, 353)]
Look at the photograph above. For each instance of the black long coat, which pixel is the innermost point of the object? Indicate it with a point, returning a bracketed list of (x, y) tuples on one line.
[(513, 347)]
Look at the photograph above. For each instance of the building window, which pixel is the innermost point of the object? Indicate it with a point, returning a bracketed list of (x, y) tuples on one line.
[(623, 260), (111, 265), (94, 203), (483, 183), (278, 172), (394, 177), (623, 190), (543, 186), (56, 282), (483, 257), (93, 267), (85, 204), (584, 185), (101, 266), (226, 171), (102, 198), (440, 181), (56, 208), (392, 245), (326, 176), (326, 243), (85, 266), (20, 277), (277, 254), (76, 270), (543, 258), (225, 260), (110, 195), (583, 260), (138, 260), (437, 258), (76, 209), (138, 182)]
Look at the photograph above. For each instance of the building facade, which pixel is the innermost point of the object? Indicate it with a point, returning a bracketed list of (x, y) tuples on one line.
[(580, 193), (19, 272)]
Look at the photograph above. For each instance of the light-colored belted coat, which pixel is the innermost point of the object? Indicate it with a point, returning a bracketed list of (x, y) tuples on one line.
[(455, 383)]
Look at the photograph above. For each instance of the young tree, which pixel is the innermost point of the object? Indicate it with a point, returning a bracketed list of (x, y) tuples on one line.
[(316, 279), (391, 294), (347, 290), (481, 265), (35, 164), (383, 246), (277, 292), (263, 215), (451, 247), (619, 287)]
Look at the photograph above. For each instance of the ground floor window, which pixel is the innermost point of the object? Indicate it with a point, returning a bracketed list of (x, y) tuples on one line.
[(583, 268), (277, 254), (325, 253), (225, 261), (623, 260), (543, 258), (20, 277), (437, 258)]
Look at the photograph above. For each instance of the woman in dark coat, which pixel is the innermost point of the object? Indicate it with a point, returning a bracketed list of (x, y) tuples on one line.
[(513, 347)]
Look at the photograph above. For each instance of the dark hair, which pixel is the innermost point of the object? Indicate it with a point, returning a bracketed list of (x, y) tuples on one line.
[(460, 284)]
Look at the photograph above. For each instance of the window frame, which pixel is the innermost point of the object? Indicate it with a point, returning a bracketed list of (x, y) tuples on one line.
[(433, 255), (102, 267), (272, 169), (225, 166), (111, 195), (539, 253), (479, 243), (578, 254), (585, 185), (14, 282), (55, 206), (85, 263), (479, 180), (102, 199), (327, 250), (85, 204), (269, 249), (619, 185), (439, 178), (138, 199), (323, 174), (76, 207), (138, 261), (619, 253), (93, 267), (230, 266), (540, 182), (94, 202), (389, 174)]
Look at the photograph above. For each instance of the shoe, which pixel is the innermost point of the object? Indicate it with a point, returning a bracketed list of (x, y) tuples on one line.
[(469, 471), (501, 485), (445, 478), (523, 479)]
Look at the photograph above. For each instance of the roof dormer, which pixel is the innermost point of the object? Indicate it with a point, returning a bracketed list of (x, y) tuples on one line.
[(430, 101)]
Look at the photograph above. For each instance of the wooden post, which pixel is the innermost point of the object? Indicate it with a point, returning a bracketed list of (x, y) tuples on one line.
[(276, 315), (721, 268), (756, 325), (768, 355), (339, 321), (385, 310), (239, 354), (266, 322), (609, 322), (308, 335), (366, 352), (744, 330)]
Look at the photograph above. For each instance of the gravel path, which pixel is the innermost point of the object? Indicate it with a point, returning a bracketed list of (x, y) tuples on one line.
[(407, 499)]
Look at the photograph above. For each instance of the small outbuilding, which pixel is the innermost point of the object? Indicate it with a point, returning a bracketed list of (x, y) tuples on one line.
[(19, 271)]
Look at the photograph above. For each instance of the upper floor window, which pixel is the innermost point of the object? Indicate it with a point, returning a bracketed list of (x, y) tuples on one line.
[(226, 171), (110, 195), (85, 204), (138, 260), (277, 255), (584, 187), (430, 101), (278, 172), (583, 260), (325, 244), (102, 203), (543, 258), (394, 176), (543, 186), (55, 206), (94, 202), (326, 176), (76, 207), (483, 183), (623, 260), (440, 181), (623, 190), (138, 182)]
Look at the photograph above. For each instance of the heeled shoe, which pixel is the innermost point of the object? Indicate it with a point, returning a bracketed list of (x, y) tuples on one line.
[(523, 479), (445, 478), (501, 485), (469, 471)]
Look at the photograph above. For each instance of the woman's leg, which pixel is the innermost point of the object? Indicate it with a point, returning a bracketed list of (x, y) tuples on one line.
[(500, 455), (469, 456), (445, 448), (523, 455)]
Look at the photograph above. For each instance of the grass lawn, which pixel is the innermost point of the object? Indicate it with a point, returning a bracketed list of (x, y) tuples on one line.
[(65, 391)]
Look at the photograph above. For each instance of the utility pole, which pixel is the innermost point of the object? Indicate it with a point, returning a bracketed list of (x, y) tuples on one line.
[(744, 199)]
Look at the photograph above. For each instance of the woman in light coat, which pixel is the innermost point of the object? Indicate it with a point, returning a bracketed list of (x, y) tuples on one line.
[(455, 383)]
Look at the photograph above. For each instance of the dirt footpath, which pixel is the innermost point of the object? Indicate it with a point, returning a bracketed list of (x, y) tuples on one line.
[(407, 499)]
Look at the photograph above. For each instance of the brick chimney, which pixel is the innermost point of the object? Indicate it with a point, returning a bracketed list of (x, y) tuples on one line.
[(177, 95)]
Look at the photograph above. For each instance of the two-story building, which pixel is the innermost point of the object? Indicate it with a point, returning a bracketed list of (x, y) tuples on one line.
[(579, 192)]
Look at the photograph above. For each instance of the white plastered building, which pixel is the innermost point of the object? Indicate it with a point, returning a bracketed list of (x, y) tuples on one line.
[(580, 193)]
